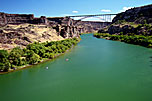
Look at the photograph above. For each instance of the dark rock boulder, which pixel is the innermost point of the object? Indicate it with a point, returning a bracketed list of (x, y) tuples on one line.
[(121, 29), (102, 31), (114, 29), (128, 29)]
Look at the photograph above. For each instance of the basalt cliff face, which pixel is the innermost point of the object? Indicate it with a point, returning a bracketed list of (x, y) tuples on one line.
[(63, 25), (22, 29), (91, 26), (137, 21), (20, 19), (23, 34), (138, 15)]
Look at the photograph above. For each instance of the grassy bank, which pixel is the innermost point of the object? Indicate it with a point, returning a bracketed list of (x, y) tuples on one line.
[(131, 38), (34, 53)]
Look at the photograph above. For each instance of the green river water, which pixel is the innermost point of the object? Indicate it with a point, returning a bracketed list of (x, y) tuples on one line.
[(97, 70)]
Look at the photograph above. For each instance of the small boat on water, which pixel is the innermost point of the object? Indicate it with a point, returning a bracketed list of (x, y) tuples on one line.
[(47, 67), (66, 59)]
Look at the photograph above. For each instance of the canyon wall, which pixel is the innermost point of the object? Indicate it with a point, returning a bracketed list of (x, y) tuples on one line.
[(136, 20), (15, 18), (21, 19), (138, 15), (91, 26), (23, 29), (70, 26), (65, 26)]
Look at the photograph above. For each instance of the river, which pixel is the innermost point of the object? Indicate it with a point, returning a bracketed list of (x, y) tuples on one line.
[(97, 70)]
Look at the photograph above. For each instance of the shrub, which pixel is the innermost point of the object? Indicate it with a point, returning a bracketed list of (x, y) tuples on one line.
[(33, 53)]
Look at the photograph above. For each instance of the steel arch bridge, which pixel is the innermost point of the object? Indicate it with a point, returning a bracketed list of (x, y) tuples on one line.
[(103, 17)]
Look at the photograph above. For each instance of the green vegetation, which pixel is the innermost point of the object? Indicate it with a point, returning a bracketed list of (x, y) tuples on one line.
[(131, 38), (33, 53), (139, 34), (120, 22)]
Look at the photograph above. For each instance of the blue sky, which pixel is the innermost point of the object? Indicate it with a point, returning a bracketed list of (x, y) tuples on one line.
[(68, 7)]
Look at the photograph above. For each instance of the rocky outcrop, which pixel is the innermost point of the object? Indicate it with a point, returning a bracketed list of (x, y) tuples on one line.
[(133, 21), (138, 15), (15, 18), (41, 20), (22, 29), (141, 29), (64, 26), (91, 26), (24, 34), (113, 29), (21, 19), (68, 27)]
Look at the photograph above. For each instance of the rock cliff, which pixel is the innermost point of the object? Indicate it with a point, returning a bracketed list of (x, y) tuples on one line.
[(15, 18), (23, 34), (91, 26), (22, 29), (64, 26), (138, 15), (137, 21)]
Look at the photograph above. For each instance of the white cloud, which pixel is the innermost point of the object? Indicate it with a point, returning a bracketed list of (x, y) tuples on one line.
[(125, 8), (105, 10), (74, 11)]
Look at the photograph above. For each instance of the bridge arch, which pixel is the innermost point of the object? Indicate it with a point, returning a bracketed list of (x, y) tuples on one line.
[(103, 17)]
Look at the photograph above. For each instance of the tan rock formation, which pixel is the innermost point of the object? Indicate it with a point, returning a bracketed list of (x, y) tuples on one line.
[(23, 34)]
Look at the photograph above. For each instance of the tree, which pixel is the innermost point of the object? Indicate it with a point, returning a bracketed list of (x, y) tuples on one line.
[(15, 56), (35, 58), (32, 57), (4, 62)]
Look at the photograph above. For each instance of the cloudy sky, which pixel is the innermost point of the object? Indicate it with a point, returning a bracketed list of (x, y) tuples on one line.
[(68, 7)]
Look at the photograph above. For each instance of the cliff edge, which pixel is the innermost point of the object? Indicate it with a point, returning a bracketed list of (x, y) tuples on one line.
[(138, 15), (21, 35), (136, 20)]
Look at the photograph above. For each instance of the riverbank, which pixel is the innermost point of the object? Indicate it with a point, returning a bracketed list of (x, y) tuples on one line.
[(28, 66), (34, 54), (85, 33), (141, 40)]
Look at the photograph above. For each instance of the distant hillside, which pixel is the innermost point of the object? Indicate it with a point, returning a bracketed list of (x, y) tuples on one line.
[(136, 20), (138, 15), (133, 26)]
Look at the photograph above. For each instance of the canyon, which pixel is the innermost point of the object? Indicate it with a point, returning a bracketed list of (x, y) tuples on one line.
[(22, 29), (137, 20)]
